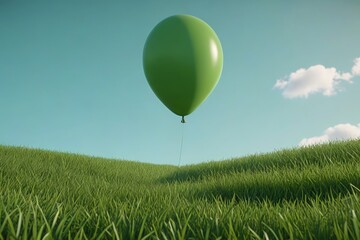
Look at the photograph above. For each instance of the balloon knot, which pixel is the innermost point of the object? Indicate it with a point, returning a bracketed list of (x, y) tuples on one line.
[(183, 119)]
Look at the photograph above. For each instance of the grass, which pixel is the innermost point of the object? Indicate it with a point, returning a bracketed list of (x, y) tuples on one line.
[(307, 193)]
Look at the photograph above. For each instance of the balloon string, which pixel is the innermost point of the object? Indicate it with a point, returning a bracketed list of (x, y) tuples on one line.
[(181, 144), (183, 119)]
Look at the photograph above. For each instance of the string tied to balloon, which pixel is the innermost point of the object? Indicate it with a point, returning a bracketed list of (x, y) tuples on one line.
[(181, 143), (183, 119)]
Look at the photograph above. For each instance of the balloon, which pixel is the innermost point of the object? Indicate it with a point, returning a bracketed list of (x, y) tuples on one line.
[(182, 61)]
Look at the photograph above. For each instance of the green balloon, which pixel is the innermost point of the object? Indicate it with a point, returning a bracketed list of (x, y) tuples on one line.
[(182, 61)]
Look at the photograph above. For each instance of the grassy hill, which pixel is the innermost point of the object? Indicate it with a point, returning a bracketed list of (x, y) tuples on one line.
[(307, 193)]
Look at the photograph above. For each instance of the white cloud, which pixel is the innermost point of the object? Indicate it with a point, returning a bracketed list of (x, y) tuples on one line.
[(356, 68), (339, 132), (315, 79)]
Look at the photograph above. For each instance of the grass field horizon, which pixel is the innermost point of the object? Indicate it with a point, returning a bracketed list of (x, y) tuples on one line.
[(300, 193)]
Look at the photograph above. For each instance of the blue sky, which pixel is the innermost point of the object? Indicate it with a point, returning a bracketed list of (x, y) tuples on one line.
[(71, 78)]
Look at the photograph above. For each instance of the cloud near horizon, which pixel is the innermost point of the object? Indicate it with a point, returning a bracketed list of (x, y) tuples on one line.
[(315, 79), (344, 131)]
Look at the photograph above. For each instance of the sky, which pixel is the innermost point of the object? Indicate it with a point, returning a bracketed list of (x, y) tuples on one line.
[(72, 80)]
